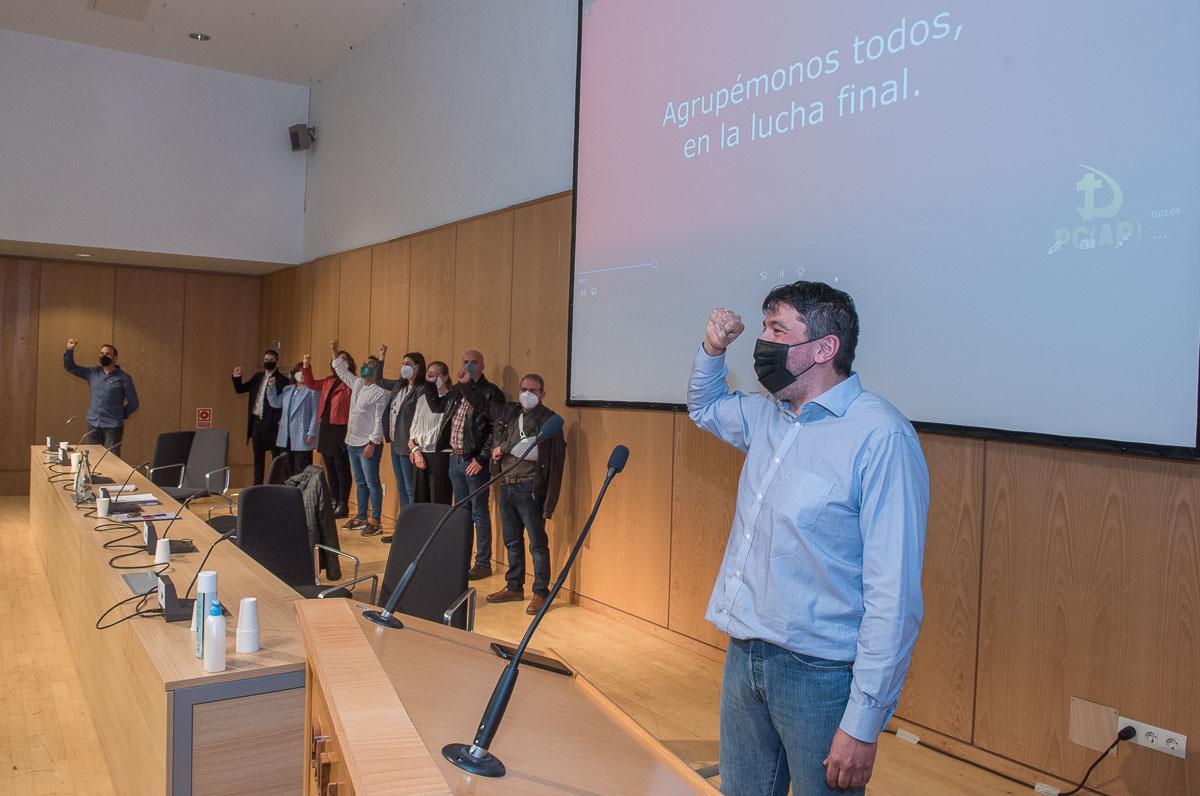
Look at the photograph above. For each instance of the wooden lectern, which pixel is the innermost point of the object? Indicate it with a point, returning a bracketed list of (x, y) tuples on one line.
[(381, 704)]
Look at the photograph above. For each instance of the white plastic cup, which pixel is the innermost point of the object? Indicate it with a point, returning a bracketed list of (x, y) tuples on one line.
[(49, 443), (247, 628), (63, 444), (162, 551), (102, 504), (75, 462)]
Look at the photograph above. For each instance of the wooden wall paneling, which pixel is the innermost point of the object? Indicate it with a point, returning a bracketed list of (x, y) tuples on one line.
[(1090, 578), (297, 335), (483, 294), (326, 302), (389, 325), (431, 297), (390, 302), (540, 292), (148, 332), (220, 330), (704, 493), (354, 304), (940, 692), (541, 281), (626, 560), (273, 319), (20, 289), (75, 301)]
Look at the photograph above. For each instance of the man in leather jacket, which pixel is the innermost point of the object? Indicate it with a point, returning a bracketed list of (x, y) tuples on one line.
[(466, 432)]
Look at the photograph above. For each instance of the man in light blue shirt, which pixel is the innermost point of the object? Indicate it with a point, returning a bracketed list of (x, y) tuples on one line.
[(820, 587)]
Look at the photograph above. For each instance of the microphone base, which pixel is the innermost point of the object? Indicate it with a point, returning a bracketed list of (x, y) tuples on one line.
[(488, 765), (385, 621)]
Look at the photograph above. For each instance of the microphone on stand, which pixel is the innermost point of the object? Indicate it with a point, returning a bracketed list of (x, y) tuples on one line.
[(66, 426), (177, 545), (386, 617), (96, 477), (475, 757), (116, 498)]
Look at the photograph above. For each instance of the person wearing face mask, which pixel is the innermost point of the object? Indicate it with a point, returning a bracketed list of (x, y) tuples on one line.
[(431, 465), (364, 438), (529, 491), (398, 417), (113, 396), (466, 432), (820, 587), (262, 420), (333, 413), (298, 421)]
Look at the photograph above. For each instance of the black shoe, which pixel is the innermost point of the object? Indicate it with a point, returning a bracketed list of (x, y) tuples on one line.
[(386, 539), (479, 572)]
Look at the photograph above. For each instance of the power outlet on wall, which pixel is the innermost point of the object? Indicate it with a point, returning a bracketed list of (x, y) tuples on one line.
[(1151, 737)]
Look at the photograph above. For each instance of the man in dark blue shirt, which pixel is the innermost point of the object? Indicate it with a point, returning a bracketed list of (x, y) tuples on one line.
[(114, 398)]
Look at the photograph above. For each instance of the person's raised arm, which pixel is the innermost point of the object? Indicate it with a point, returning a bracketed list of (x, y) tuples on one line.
[(274, 396), (339, 367), (710, 404), (238, 384), (69, 361)]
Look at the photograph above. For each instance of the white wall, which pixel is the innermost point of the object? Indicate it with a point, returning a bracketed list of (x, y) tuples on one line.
[(455, 108), (112, 150)]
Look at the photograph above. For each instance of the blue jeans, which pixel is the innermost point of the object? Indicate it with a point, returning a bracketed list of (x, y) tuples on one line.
[(405, 472), (463, 485), (366, 479), (520, 512), (779, 711)]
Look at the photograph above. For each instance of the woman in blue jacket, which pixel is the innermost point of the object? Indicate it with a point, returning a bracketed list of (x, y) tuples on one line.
[(298, 423)]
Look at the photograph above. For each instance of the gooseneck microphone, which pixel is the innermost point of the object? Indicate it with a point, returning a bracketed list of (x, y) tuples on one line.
[(475, 757), (96, 477), (203, 561), (387, 617), (66, 427)]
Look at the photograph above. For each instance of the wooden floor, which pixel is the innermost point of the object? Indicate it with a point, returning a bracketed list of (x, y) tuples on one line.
[(49, 745)]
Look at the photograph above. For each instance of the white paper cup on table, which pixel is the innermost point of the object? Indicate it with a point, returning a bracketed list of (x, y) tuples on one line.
[(162, 551), (49, 443), (102, 504), (247, 629), (75, 462)]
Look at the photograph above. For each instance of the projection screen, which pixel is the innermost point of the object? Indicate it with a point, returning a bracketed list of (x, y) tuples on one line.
[(1009, 191)]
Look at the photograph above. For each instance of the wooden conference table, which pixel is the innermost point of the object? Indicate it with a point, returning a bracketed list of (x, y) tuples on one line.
[(165, 725), (380, 703), (383, 702)]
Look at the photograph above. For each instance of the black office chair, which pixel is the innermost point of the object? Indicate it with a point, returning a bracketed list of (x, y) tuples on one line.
[(271, 529), (170, 452), (439, 592), (205, 472), (281, 469)]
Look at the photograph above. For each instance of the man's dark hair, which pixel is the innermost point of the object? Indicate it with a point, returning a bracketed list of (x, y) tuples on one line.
[(825, 311), (113, 347), (535, 377), (272, 352), (437, 363)]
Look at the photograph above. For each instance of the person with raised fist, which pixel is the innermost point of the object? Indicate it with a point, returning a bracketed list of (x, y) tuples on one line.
[(113, 396), (820, 587)]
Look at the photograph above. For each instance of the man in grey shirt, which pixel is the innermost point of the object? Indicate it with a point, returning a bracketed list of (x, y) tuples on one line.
[(114, 398)]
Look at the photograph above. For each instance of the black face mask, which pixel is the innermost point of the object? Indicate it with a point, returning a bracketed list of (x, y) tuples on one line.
[(105, 360), (268, 365), (770, 364)]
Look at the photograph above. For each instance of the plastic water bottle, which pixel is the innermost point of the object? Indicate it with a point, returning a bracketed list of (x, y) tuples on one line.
[(214, 639)]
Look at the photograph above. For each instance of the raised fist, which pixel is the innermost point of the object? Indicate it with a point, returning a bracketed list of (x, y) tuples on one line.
[(237, 372), (71, 344), (723, 328), (308, 360)]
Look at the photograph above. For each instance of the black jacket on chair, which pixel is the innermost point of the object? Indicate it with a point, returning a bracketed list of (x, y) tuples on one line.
[(270, 415), (477, 432)]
